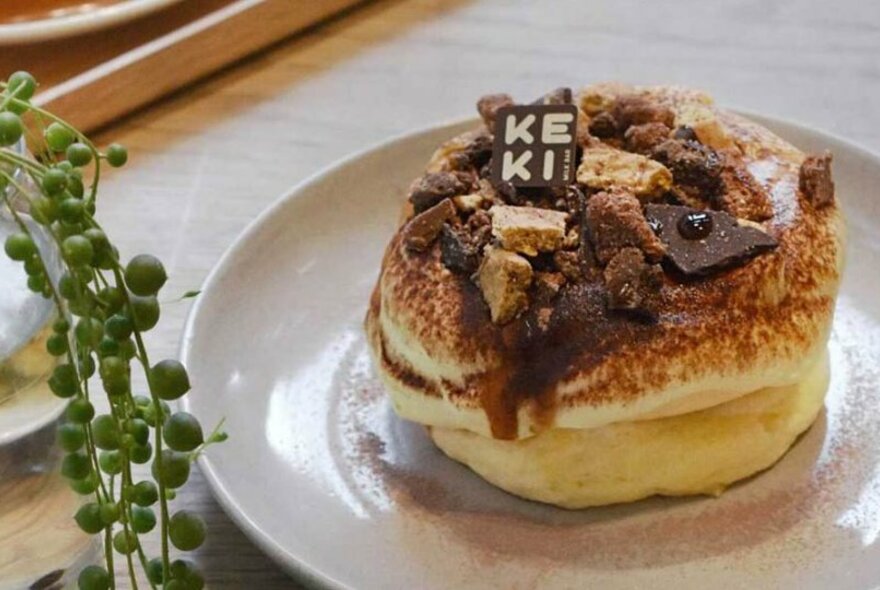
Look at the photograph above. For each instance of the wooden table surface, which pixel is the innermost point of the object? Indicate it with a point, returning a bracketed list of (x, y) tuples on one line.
[(205, 162)]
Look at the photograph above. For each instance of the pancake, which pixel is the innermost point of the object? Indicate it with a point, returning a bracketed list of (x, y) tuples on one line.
[(700, 452), (546, 374)]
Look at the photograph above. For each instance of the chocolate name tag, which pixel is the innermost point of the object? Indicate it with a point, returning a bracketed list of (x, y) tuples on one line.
[(535, 145)]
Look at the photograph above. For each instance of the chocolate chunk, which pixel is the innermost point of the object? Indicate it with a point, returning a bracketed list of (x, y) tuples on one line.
[(603, 125), (461, 246), (557, 96), (632, 284), (459, 161), (510, 194), (569, 264), (456, 250), (468, 179), (433, 187), (479, 151), (696, 168), (614, 221), (686, 133), (488, 107), (727, 245), (742, 195), (637, 110), (815, 179), (644, 138), (422, 230)]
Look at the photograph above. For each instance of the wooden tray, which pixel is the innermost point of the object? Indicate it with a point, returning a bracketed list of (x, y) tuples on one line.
[(95, 78)]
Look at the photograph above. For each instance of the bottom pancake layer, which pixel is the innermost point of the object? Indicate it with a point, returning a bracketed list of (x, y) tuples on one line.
[(696, 453)]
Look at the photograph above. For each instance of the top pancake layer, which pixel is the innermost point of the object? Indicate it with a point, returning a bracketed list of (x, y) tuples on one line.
[(572, 361)]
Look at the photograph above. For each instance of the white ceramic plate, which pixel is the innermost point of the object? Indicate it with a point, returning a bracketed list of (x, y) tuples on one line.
[(28, 411), (72, 18), (324, 478)]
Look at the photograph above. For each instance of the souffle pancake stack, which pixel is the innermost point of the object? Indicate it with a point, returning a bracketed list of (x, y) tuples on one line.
[(658, 325)]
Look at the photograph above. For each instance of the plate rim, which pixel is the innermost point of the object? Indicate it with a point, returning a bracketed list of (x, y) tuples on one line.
[(301, 571), (56, 28), (46, 413)]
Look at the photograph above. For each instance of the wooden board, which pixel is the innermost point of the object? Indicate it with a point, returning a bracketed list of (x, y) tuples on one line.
[(95, 78)]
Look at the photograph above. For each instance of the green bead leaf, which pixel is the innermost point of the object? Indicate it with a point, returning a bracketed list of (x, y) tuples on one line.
[(110, 308)]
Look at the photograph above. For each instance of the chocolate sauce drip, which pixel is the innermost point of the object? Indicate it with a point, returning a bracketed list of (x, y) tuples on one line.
[(580, 333)]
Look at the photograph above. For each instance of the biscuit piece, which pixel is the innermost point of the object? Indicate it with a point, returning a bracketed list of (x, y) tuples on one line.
[(708, 129), (528, 230), (504, 278), (604, 168), (600, 97), (470, 202)]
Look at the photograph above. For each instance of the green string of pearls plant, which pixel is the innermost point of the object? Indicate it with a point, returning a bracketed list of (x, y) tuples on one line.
[(103, 308)]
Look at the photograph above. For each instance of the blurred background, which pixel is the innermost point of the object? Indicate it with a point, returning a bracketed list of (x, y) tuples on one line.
[(226, 104)]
